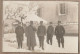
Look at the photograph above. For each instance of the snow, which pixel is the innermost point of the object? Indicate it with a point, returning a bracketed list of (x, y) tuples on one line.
[(33, 17), (70, 45)]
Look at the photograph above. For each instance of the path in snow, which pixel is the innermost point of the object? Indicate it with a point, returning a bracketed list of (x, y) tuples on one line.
[(70, 45)]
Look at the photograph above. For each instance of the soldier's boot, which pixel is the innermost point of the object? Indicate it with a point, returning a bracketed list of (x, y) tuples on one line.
[(51, 41), (21, 45), (42, 48), (18, 45), (62, 45), (29, 48), (62, 42), (32, 48), (42, 45), (58, 44), (47, 40)]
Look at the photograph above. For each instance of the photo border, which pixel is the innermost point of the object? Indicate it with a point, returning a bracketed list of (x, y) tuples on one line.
[(1, 28)]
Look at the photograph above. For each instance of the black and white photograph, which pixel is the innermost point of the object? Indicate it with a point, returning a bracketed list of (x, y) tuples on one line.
[(40, 26)]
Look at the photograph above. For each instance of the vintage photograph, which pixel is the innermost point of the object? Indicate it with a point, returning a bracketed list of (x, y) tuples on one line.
[(40, 26)]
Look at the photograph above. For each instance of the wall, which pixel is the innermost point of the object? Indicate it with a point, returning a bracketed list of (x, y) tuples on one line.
[(49, 12)]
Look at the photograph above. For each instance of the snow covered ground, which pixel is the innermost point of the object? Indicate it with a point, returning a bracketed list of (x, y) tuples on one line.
[(70, 45)]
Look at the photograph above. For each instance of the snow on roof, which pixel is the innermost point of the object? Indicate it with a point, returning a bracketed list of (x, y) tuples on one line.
[(33, 17)]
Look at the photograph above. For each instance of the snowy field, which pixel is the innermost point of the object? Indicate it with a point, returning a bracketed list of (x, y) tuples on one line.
[(70, 45)]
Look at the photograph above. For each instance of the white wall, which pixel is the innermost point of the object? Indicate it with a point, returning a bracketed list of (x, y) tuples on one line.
[(50, 9)]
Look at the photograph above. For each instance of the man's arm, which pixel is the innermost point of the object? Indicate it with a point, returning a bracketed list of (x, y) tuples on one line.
[(47, 29), (26, 31), (56, 30), (38, 31), (53, 30), (63, 30), (44, 30)]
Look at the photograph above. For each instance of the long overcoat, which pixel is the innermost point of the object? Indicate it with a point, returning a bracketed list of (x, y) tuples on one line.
[(30, 34)]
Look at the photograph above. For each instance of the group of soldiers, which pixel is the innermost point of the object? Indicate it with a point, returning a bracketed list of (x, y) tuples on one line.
[(41, 32)]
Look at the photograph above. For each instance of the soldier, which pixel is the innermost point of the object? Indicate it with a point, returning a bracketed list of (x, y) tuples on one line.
[(50, 32), (41, 32), (30, 34), (19, 35), (59, 32)]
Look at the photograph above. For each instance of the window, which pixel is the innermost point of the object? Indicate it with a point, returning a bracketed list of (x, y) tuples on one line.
[(39, 12), (62, 9)]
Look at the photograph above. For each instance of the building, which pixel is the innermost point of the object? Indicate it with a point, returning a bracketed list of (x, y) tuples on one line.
[(67, 12)]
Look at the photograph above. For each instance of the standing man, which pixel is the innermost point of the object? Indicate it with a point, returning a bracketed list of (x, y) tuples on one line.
[(41, 32), (19, 35), (50, 32), (30, 34), (59, 32)]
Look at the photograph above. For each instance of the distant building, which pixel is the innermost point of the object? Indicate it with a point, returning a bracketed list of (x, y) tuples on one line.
[(64, 11)]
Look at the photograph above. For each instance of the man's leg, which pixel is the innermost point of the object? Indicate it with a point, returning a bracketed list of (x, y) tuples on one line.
[(62, 45), (51, 40), (47, 39), (62, 42), (29, 47), (58, 41), (32, 48), (21, 44), (18, 44), (42, 42)]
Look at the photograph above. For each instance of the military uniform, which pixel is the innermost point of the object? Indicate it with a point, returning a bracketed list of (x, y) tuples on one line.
[(19, 35), (30, 34), (41, 33), (59, 32), (50, 32)]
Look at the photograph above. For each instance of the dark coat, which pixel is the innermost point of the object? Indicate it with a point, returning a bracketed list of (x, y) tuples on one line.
[(50, 30), (19, 33), (41, 30), (30, 34), (59, 31)]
